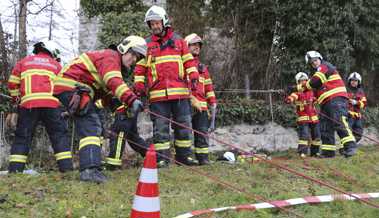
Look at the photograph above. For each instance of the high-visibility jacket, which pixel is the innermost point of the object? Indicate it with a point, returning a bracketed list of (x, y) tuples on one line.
[(326, 82), (358, 95), (204, 92), (305, 109), (166, 69), (32, 81), (100, 71)]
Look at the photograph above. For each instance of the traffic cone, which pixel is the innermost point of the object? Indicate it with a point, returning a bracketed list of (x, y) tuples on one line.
[(146, 201)]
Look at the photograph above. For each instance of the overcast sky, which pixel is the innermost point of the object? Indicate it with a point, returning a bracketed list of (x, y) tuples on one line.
[(65, 32)]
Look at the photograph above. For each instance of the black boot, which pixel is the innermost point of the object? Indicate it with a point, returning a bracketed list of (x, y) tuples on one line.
[(92, 175), (111, 167), (15, 167), (188, 161), (315, 151), (349, 149), (203, 159), (327, 154)]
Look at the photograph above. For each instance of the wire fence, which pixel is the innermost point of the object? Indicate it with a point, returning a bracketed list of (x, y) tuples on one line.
[(248, 93)]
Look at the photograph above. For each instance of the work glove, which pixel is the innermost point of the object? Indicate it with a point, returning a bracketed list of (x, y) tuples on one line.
[(287, 101), (291, 88), (137, 106), (212, 125), (195, 103), (353, 101)]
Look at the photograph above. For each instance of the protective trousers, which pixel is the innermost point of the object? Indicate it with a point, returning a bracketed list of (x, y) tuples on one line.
[(200, 123), (305, 132), (334, 118), (56, 128), (356, 126), (124, 129), (88, 130), (180, 112)]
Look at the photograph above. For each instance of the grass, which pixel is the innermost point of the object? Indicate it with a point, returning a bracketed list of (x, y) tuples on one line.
[(181, 190)]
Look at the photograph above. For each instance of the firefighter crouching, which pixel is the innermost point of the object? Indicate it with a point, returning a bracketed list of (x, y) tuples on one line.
[(332, 97), (31, 87), (307, 119), (124, 128), (87, 78), (165, 72), (357, 102), (203, 101)]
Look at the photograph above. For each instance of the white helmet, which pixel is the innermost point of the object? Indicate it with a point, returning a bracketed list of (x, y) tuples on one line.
[(193, 38), (50, 46), (157, 13), (310, 55), (301, 76), (355, 76), (230, 156), (135, 43)]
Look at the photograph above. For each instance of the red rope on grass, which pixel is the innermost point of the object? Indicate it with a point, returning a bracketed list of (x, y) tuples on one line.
[(268, 161), (221, 182)]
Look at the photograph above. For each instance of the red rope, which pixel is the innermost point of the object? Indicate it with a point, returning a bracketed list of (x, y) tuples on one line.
[(268, 161), (221, 182), (338, 122)]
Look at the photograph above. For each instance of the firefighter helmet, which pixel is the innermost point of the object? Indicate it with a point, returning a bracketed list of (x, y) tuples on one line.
[(311, 55), (193, 38), (355, 76), (49, 46), (157, 13), (135, 43), (301, 76)]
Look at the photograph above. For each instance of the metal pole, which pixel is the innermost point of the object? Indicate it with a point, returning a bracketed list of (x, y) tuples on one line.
[(271, 108), (247, 86)]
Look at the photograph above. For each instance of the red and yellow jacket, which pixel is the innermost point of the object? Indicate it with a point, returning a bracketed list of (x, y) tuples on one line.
[(166, 69), (100, 71), (204, 92), (305, 109), (31, 81), (326, 82), (358, 95)]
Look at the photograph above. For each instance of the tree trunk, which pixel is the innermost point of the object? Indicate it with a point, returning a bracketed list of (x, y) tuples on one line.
[(3, 51), (51, 21), (22, 29)]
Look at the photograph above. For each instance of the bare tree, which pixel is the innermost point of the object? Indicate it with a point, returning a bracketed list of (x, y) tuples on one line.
[(3, 56), (23, 44)]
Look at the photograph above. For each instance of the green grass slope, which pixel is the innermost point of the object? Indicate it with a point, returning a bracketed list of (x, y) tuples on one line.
[(183, 190)]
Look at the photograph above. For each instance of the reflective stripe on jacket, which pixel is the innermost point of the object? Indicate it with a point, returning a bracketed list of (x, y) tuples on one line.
[(31, 81), (305, 109), (327, 83), (100, 71), (358, 95), (166, 69), (204, 92)]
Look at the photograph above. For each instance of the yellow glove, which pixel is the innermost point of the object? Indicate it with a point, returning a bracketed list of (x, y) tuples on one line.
[(195, 103)]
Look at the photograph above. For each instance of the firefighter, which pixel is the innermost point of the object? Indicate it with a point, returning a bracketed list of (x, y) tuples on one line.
[(170, 73), (357, 102), (203, 99), (332, 97), (124, 128), (88, 78), (30, 86), (307, 121)]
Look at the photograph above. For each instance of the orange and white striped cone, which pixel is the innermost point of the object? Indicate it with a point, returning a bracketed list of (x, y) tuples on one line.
[(146, 201)]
